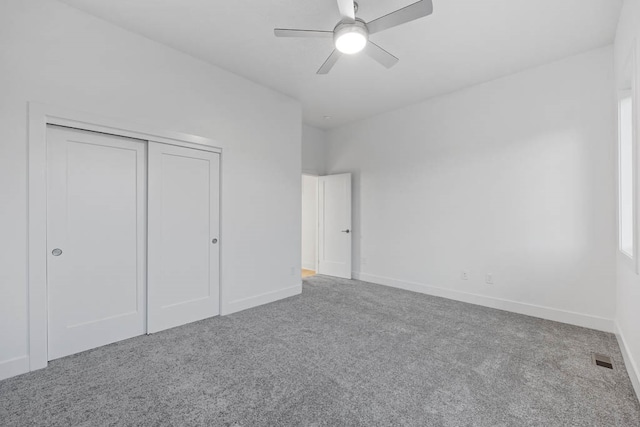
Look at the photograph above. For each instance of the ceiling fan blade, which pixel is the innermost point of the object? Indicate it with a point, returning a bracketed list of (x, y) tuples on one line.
[(347, 9), (330, 62), (406, 14), (286, 32), (380, 55)]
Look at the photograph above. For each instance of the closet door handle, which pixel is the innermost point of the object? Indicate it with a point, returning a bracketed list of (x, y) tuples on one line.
[(56, 252), (214, 241), (346, 231)]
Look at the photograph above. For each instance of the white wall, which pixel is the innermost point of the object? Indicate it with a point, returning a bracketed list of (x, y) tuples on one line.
[(514, 177), (313, 150), (309, 221), (628, 288), (54, 54)]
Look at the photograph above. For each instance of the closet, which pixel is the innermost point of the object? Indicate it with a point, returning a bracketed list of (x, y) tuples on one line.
[(132, 238)]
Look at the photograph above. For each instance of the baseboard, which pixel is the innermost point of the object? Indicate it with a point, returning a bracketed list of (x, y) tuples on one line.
[(12, 367), (629, 362), (246, 303), (548, 313)]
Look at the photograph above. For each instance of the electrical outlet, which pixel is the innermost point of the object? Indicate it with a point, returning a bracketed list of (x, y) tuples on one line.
[(489, 279), (464, 275)]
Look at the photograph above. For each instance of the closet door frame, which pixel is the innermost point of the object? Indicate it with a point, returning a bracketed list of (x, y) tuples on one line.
[(41, 115)]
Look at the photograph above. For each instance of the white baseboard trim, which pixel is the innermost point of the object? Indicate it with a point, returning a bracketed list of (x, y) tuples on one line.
[(629, 362), (246, 303), (572, 318), (12, 367)]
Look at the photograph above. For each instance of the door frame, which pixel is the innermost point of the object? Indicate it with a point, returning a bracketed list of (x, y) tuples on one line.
[(40, 115), (316, 228)]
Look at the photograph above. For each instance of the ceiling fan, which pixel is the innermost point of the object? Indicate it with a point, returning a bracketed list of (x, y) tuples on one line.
[(351, 34)]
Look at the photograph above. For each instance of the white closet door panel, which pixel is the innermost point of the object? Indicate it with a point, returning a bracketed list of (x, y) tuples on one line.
[(183, 223), (96, 217)]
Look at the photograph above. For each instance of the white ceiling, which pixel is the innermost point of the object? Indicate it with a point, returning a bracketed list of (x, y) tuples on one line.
[(463, 43)]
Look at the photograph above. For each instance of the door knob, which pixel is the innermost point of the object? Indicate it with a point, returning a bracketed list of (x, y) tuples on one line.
[(346, 231), (214, 241), (56, 252)]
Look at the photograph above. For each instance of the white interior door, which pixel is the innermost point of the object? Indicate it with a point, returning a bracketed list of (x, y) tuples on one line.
[(334, 225), (96, 223), (183, 250)]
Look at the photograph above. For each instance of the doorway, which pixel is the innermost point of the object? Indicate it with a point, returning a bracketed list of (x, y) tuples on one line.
[(326, 225), (309, 225)]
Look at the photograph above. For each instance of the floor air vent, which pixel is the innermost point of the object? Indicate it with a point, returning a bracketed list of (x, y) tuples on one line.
[(602, 360)]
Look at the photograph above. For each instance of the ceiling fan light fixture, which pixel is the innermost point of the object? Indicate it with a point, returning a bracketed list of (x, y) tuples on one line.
[(351, 38)]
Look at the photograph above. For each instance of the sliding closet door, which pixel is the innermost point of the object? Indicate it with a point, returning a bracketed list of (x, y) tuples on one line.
[(96, 223), (183, 250)]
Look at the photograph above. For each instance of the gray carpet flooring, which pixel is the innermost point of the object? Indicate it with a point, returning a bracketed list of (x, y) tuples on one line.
[(344, 353)]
